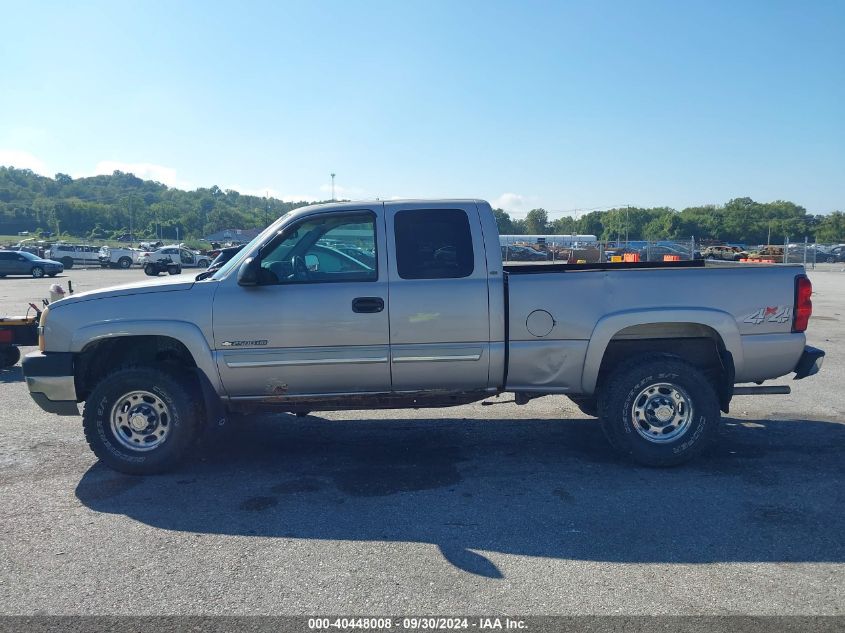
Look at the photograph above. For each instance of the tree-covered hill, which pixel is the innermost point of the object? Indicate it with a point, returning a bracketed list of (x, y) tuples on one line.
[(101, 207)]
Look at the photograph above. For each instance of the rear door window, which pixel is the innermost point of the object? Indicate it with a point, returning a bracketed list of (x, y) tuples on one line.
[(433, 244)]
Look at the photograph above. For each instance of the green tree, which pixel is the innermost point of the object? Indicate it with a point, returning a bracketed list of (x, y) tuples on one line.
[(831, 228), (503, 222), (537, 222)]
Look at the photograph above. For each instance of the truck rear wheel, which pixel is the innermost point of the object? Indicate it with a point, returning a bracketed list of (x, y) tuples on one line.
[(141, 421), (124, 262), (659, 410)]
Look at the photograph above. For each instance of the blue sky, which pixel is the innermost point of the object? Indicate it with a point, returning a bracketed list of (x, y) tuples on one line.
[(554, 104)]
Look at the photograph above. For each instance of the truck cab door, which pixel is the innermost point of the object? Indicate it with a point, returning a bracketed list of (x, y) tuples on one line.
[(439, 312), (317, 322)]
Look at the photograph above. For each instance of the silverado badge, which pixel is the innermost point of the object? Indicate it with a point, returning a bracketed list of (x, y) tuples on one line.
[(245, 343)]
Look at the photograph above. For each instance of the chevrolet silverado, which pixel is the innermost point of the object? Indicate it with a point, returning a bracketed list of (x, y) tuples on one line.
[(297, 321)]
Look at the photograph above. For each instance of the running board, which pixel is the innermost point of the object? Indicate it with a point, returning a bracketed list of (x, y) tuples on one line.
[(773, 390)]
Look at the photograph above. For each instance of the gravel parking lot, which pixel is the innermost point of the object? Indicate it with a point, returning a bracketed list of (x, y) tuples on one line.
[(476, 509)]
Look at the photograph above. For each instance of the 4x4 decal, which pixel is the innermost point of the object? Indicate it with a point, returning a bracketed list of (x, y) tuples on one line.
[(770, 314)]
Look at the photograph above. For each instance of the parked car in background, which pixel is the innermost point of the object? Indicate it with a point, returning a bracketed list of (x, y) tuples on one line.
[(522, 254), (23, 263), (71, 255), (179, 255), (794, 254), (724, 253), (655, 253), (820, 254), (119, 257)]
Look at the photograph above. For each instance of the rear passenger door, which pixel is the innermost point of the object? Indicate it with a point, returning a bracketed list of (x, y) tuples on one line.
[(439, 314)]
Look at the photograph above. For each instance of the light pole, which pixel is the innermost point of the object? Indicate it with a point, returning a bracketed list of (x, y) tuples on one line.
[(627, 209), (129, 204), (333, 186)]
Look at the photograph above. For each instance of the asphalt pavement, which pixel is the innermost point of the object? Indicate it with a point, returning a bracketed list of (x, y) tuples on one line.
[(475, 509)]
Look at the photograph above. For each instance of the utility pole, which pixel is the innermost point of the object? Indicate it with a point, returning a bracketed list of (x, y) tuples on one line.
[(333, 175), (628, 208)]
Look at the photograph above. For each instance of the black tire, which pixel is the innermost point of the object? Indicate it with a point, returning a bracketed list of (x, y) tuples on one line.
[(181, 422), (203, 263), (627, 387), (586, 404), (68, 262), (124, 262), (174, 269), (9, 356), (37, 272), (151, 270)]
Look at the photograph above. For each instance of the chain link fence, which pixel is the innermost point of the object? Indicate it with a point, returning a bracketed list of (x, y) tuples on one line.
[(517, 250)]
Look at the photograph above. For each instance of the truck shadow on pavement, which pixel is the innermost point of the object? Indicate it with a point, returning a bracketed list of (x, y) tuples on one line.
[(770, 491)]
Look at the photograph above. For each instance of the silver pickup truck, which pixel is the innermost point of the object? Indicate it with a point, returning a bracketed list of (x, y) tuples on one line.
[(407, 304)]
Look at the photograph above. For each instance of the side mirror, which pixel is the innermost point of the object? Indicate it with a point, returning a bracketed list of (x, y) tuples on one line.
[(248, 272)]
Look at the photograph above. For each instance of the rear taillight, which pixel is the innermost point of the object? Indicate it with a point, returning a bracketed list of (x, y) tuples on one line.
[(803, 304)]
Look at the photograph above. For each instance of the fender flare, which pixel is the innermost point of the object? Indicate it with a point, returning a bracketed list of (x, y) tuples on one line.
[(607, 327), (183, 331)]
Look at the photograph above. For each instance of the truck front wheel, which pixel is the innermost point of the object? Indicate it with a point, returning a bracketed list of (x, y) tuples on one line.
[(659, 410), (141, 421)]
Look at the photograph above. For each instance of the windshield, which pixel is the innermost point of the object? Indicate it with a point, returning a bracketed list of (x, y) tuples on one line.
[(28, 255), (246, 250)]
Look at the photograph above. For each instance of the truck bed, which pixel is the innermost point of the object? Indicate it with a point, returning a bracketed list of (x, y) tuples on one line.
[(555, 322)]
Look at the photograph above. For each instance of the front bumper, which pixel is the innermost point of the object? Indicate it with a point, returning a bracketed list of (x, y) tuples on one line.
[(49, 378), (810, 362)]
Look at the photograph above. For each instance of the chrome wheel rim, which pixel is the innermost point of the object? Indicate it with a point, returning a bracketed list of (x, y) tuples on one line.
[(140, 421), (37, 272), (662, 412)]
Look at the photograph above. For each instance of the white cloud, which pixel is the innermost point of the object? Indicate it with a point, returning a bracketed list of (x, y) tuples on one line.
[(23, 160), (509, 202), (146, 171)]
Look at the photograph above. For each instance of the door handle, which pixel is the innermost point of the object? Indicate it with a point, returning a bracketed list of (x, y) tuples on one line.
[(367, 304)]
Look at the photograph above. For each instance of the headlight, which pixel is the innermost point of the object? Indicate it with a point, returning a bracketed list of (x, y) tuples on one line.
[(41, 322)]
